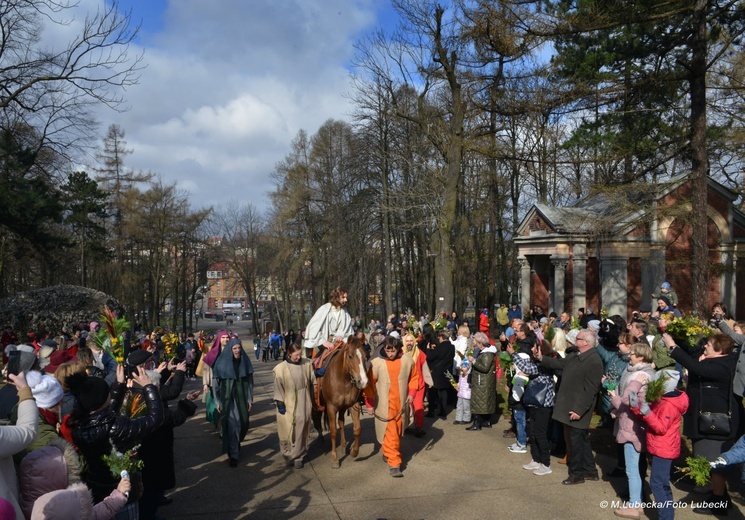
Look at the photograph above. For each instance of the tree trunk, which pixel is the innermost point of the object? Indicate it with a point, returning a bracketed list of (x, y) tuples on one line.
[(699, 161)]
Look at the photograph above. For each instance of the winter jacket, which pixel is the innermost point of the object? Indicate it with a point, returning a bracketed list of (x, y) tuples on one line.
[(614, 365), (629, 427), (663, 424), (709, 390), (47, 469), (484, 383), (156, 450), (94, 434), (580, 381), (464, 389), (12, 440), (516, 313), (76, 502)]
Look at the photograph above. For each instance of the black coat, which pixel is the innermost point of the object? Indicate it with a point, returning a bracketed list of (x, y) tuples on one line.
[(439, 361), (580, 383), (94, 434), (709, 389), (156, 450)]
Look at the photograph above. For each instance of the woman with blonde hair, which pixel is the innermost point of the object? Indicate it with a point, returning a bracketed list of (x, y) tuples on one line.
[(461, 346), (64, 370), (559, 343)]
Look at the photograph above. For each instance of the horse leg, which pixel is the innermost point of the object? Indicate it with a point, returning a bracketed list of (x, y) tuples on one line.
[(331, 413), (357, 429), (340, 426)]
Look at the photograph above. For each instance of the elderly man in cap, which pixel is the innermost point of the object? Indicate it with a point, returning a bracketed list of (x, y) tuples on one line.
[(575, 401)]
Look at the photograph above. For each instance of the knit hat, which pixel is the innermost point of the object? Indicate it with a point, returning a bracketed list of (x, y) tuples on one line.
[(46, 389), (28, 357), (45, 353), (543, 321), (92, 326), (56, 359), (665, 285), (572, 336), (509, 332), (594, 325), (665, 299), (90, 392)]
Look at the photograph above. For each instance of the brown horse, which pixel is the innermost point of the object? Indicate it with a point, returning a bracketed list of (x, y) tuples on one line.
[(341, 386)]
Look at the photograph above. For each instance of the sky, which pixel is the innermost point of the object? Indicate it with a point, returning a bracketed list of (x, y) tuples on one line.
[(229, 83)]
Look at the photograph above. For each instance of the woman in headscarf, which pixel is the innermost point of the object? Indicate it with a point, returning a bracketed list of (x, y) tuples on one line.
[(233, 383), (208, 360), (293, 394)]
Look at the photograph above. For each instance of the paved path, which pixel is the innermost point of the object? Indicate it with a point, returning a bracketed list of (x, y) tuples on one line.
[(448, 474)]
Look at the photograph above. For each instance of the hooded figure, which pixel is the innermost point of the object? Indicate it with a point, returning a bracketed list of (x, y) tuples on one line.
[(233, 393)]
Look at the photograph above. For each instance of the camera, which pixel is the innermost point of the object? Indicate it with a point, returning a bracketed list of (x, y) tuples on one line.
[(718, 316)]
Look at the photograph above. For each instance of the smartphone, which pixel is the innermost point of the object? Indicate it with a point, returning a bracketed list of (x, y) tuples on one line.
[(14, 362)]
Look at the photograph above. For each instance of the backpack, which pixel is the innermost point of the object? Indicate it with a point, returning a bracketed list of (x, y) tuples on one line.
[(274, 341)]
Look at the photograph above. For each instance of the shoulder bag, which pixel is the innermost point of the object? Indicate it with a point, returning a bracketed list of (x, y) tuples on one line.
[(715, 423)]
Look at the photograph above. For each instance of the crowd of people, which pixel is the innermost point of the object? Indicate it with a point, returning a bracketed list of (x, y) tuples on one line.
[(69, 408), (559, 372), (85, 436)]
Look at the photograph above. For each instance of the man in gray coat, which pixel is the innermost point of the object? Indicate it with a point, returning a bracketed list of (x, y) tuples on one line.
[(575, 401)]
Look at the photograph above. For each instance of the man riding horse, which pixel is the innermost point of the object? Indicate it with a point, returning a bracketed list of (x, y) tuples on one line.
[(330, 325)]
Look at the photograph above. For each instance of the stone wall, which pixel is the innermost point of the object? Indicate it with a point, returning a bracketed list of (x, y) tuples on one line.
[(51, 308)]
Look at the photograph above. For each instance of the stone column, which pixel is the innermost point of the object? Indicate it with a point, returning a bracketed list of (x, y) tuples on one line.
[(727, 288), (614, 284), (560, 265), (524, 283), (579, 278)]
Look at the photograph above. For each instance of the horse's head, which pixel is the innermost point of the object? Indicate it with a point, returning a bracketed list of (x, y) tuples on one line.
[(355, 362)]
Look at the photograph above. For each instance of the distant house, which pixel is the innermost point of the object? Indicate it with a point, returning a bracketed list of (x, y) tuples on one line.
[(612, 250)]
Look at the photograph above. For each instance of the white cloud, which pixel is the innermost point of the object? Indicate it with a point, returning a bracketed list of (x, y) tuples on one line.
[(229, 84)]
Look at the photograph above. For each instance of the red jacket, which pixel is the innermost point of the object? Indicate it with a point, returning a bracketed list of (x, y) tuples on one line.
[(663, 425), (484, 324)]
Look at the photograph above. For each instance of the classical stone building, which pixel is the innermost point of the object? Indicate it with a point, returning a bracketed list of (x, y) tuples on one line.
[(612, 250)]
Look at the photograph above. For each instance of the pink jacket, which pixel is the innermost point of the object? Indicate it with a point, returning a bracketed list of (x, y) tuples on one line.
[(77, 502), (629, 427)]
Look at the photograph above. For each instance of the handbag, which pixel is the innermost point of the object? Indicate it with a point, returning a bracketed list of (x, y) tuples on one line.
[(536, 392), (715, 423)]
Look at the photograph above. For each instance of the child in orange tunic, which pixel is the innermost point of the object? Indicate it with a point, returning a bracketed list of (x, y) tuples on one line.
[(393, 377)]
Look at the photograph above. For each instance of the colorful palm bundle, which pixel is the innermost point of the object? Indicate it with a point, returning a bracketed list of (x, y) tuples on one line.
[(171, 344), (111, 336), (134, 405)]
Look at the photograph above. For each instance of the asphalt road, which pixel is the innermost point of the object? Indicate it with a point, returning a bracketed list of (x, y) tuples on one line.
[(448, 474)]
